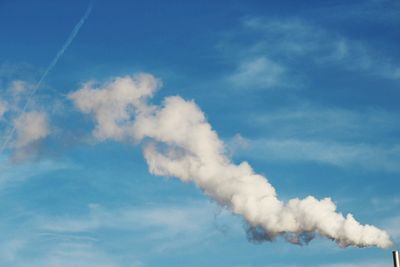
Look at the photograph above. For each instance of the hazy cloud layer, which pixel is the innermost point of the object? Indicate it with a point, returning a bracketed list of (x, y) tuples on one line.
[(363, 139), (73, 240), (297, 38), (356, 156), (259, 72), (279, 50), (31, 127), (310, 121)]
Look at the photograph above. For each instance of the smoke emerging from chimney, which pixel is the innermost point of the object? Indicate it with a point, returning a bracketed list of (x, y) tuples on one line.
[(179, 142)]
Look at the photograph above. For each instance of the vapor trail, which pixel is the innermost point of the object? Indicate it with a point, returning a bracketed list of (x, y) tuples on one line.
[(52, 64)]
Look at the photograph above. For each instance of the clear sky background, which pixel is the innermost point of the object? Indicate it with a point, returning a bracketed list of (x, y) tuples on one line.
[(306, 91)]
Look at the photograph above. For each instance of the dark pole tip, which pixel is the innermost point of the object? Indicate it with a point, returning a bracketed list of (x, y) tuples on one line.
[(396, 261)]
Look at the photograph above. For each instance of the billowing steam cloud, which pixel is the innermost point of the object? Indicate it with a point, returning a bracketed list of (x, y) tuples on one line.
[(180, 142)]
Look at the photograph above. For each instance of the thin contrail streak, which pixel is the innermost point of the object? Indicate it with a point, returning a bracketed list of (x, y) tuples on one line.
[(52, 64)]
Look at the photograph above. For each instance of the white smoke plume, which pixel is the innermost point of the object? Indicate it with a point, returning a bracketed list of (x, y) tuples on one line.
[(179, 142)]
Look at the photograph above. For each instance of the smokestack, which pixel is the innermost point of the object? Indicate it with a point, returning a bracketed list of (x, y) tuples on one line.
[(396, 260)]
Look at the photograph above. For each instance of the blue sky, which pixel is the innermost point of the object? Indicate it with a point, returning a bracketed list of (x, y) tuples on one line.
[(307, 93)]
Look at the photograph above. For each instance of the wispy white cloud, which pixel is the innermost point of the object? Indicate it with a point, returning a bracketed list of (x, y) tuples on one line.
[(311, 121), (289, 36), (362, 156), (75, 240), (260, 72), (341, 137), (376, 11), (386, 203), (10, 249), (12, 174), (190, 223), (69, 254), (392, 225), (292, 40), (18, 87), (14, 94), (16, 71), (22, 131), (171, 218), (31, 127)]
